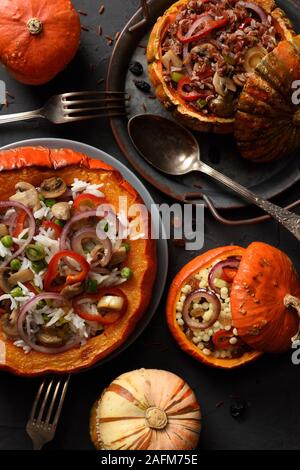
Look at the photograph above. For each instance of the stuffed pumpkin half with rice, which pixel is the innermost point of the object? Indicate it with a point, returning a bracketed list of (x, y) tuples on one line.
[(201, 53), (231, 304), (73, 272)]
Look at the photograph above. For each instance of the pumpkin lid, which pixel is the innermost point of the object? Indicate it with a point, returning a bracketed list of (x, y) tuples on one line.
[(138, 404), (264, 299), (267, 125)]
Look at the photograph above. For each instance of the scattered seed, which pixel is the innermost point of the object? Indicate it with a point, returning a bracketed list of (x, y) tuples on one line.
[(10, 95), (238, 408), (101, 10), (144, 107), (99, 30), (109, 40), (151, 97), (219, 404), (136, 68), (83, 13), (117, 35), (142, 85), (100, 81), (84, 28)]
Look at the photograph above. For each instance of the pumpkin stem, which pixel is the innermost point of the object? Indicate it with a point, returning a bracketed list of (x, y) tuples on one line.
[(296, 118), (35, 26), (294, 302), (156, 418)]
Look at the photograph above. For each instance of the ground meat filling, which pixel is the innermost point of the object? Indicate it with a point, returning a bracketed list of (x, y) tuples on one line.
[(220, 339), (210, 49)]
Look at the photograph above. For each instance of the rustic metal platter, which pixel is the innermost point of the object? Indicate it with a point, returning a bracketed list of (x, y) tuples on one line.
[(268, 180)]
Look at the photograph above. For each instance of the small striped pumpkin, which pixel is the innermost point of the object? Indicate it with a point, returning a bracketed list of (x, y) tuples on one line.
[(146, 409)]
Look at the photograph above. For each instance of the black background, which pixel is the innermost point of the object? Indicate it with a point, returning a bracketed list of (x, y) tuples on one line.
[(269, 386)]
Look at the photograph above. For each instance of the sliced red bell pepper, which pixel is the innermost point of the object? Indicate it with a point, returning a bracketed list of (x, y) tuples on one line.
[(190, 95), (210, 26), (106, 319), (53, 271), (55, 227), (87, 201), (229, 274), (245, 23), (19, 224)]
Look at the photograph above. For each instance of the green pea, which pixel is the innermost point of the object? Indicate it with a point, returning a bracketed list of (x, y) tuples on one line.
[(15, 264), (201, 104), (50, 202), (16, 292), (126, 246), (35, 252), (176, 76), (38, 266), (126, 273), (91, 286), (61, 223), (7, 241)]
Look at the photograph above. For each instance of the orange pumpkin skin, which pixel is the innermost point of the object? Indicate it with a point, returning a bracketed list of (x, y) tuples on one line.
[(265, 276), (34, 165), (169, 98), (267, 125), (201, 262), (35, 52)]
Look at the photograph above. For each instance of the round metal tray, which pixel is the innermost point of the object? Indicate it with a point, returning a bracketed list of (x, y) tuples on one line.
[(267, 180), (162, 245)]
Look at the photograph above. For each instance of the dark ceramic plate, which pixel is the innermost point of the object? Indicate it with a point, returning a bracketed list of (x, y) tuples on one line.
[(267, 180), (162, 246)]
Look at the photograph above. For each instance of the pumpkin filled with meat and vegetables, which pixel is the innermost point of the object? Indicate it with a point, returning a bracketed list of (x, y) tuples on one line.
[(76, 271), (201, 53), (231, 304), (146, 409), (38, 38)]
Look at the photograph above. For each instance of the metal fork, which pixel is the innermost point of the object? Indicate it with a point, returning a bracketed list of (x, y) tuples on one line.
[(76, 106), (46, 410)]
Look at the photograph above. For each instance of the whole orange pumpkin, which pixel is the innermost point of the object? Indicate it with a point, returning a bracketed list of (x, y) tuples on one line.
[(37, 38)]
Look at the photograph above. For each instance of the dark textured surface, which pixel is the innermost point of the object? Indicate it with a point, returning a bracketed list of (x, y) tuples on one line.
[(270, 387)]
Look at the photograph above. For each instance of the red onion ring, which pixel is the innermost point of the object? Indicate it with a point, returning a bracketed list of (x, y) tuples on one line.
[(20, 325), (67, 227), (216, 271), (190, 32), (195, 297), (31, 226), (94, 233), (257, 9)]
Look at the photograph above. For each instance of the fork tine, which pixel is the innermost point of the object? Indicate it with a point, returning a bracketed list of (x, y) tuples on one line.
[(95, 108), (44, 403), (76, 94), (49, 414), (97, 100), (37, 399), (61, 402), (94, 116)]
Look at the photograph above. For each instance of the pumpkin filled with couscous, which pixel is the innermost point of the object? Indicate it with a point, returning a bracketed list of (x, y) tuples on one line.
[(217, 309)]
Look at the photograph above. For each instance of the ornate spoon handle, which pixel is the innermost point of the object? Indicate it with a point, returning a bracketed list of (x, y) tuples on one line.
[(286, 218)]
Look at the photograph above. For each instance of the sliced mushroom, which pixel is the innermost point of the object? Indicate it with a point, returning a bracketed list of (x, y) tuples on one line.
[(71, 291), (61, 211), (49, 337), (253, 57), (3, 230), (27, 195), (170, 58), (205, 49), (53, 187), (111, 302), (221, 106), (9, 324), (26, 275), (4, 276), (223, 84), (118, 256)]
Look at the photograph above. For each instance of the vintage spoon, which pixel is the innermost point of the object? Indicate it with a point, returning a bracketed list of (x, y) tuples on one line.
[(172, 149)]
